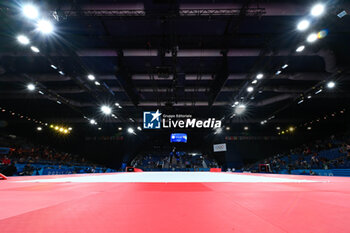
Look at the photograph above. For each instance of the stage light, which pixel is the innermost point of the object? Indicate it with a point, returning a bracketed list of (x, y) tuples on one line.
[(311, 38), (117, 104), (300, 48), (99, 128), (31, 87), (91, 77), (139, 128), (120, 128), (70, 129), (61, 72), (93, 122), (57, 128), (23, 40), (278, 72), (34, 49), (259, 76), (65, 131), (284, 66), (309, 97), (45, 26), (30, 11), (240, 109), (97, 83), (317, 10), (254, 81), (300, 101), (131, 130), (250, 89), (39, 128), (278, 128), (51, 126), (61, 129), (106, 110), (246, 128), (330, 84), (58, 102), (309, 128), (228, 128), (40, 92), (54, 67), (303, 25)]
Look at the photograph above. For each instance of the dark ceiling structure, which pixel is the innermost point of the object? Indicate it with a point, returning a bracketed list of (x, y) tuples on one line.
[(193, 57)]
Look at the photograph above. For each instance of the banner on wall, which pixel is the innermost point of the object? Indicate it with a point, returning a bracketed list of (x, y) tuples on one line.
[(219, 147)]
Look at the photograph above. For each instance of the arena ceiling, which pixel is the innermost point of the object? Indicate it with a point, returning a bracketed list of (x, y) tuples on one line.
[(193, 57)]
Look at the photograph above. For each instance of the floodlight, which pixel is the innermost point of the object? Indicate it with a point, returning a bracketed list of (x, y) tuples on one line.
[(240, 109), (106, 110), (303, 25), (91, 77), (331, 84), (311, 38), (317, 10), (34, 49), (30, 11), (31, 87), (45, 26), (23, 40), (250, 89), (300, 48), (259, 76)]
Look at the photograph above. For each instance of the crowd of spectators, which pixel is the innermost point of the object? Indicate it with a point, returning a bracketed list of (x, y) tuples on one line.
[(173, 161), (31, 156), (321, 154)]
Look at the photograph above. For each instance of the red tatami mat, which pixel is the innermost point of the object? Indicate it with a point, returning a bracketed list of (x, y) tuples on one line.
[(322, 206)]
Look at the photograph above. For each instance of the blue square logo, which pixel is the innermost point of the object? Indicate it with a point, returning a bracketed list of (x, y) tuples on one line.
[(151, 120)]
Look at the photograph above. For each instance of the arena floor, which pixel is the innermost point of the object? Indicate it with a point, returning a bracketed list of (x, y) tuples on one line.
[(174, 202)]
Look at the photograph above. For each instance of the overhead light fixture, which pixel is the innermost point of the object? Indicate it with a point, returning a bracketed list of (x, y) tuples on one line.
[(34, 49), (31, 87), (303, 25), (284, 66), (99, 128), (309, 97), (61, 72), (309, 128), (70, 128), (228, 128), (106, 110), (41, 93), (254, 81), (45, 26), (311, 38), (317, 10), (291, 129), (278, 128), (54, 67), (300, 101), (240, 109), (120, 128), (319, 91), (250, 89), (117, 104), (59, 102), (97, 83), (93, 122), (30, 11), (131, 130), (300, 48), (246, 128), (139, 128), (278, 72), (259, 76), (91, 77), (331, 84), (22, 39), (39, 128)]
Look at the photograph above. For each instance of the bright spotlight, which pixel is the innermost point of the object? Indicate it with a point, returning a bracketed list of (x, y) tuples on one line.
[(254, 81), (54, 67), (317, 10), (45, 26), (131, 130), (246, 128), (106, 110), (23, 39), (259, 76), (250, 89), (93, 122), (30, 11), (91, 77), (278, 128), (34, 49), (228, 128), (97, 83), (70, 129), (39, 128), (284, 66), (31, 87), (240, 109), (300, 48), (139, 128), (120, 128), (312, 37), (303, 25), (291, 129), (331, 84)]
